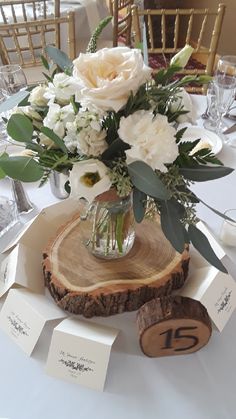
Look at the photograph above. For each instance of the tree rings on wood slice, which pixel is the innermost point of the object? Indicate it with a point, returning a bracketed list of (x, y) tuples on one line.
[(173, 326), (83, 284)]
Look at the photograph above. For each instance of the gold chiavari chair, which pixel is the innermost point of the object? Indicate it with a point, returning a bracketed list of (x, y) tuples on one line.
[(24, 10), (122, 21), (200, 28), (23, 43)]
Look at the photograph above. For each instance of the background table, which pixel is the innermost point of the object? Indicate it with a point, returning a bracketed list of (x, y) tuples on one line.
[(197, 386)]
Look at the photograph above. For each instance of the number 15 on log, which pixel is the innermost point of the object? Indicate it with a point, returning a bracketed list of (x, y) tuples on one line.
[(173, 326)]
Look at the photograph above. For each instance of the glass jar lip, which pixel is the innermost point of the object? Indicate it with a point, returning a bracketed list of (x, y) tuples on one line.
[(10, 67), (228, 212)]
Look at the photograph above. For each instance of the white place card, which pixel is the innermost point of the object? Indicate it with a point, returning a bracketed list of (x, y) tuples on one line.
[(24, 315), (215, 290), (23, 266), (80, 352), (38, 231)]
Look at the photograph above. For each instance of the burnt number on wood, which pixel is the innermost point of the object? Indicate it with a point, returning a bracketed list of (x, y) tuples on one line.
[(177, 334)]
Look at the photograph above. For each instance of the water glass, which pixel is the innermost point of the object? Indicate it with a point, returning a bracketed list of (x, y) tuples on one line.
[(228, 229), (13, 78), (225, 85), (8, 214), (212, 112)]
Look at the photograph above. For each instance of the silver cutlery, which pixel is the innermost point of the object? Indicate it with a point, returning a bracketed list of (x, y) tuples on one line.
[(230, 129), (24, 206)]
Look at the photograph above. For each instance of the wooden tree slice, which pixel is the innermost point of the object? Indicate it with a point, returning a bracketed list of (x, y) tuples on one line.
[(83, 284), (173, 326)]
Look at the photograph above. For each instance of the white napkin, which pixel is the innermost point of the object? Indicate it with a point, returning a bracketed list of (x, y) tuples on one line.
[(187, 104)]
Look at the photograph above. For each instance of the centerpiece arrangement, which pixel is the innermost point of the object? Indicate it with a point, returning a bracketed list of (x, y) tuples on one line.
[(112, 126)]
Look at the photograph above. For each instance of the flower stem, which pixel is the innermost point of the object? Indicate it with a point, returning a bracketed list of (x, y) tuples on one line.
[(119, 231)]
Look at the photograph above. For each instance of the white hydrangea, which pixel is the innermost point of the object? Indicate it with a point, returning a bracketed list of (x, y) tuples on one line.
[(61, 90), (152, 139), (85, 135), (57, 118)]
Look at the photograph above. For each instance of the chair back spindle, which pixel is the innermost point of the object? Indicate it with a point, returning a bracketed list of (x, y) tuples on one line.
[(191, 26)]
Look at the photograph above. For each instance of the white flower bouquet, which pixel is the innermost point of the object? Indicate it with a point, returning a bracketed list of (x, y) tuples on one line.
[(111, 125)]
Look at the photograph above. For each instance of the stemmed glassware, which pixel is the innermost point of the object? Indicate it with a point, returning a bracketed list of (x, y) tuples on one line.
[(210, 122), (225, 88), (3, 133), (12, 80)]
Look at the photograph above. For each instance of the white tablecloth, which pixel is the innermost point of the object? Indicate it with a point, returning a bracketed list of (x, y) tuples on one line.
[(196, 386)]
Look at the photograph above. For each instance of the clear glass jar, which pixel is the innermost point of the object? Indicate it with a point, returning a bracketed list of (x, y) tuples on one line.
[(108, 225)]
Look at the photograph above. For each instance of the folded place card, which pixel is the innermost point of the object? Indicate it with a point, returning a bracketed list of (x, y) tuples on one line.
[(80, 352), (215, 290), (23, 266), (24, 315), (38, 231)]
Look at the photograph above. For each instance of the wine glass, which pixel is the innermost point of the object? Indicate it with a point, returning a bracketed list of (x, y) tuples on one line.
[(225, 85), (3, 132), (212, 112), (14, 79)]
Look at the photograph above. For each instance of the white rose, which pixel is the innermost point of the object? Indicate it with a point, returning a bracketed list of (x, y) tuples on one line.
[(36, 97), (88, 178), (106, 78), (183, 102), (152, 139), (181, 58), (57, 118), (61, 90)]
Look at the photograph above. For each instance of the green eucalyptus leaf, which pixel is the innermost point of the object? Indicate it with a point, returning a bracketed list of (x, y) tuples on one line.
[(20, 128), (201, 243), (147, 181), (2, 174), (13, 100), (203, 173), (59, 58), (25, 101), (139, 205), (171, 225), (21, 168), (45, 62), (57, 140), (47, 77)]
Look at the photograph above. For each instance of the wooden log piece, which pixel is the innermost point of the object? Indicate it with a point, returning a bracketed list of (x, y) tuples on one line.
[(173, 326), (83, 284)]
